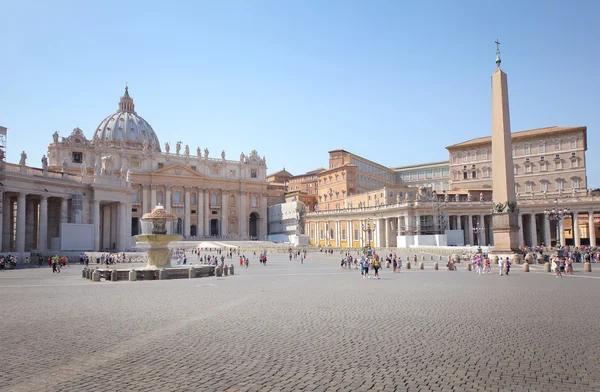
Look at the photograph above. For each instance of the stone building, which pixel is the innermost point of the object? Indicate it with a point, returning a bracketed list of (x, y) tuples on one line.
[(111, 179)]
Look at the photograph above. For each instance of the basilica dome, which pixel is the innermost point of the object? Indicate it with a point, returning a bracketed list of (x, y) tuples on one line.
[(127, 128)]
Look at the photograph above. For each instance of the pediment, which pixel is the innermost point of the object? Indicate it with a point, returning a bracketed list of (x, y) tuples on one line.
[(177, 170)]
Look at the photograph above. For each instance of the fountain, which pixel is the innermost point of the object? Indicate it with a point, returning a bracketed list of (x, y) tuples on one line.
[(159, 255)]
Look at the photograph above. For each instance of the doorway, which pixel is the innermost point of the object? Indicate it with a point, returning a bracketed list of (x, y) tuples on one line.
[(214, 227), (253, 226), (193, 230)]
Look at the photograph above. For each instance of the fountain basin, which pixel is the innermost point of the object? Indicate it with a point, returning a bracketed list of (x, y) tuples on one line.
[(159, 255)]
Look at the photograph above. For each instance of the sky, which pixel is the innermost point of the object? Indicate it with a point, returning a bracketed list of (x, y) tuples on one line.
[(393, 81)]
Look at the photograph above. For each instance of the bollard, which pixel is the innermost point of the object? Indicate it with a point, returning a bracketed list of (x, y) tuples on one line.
[(225, 270), (96, 276), (469, 267), (90, 274), (230, 269), (218, 271), (547, 266), (191, 273), (132, 275), (440, 257), (431, 257), (408, 265), (423, 258), (163, 274), (587, 267), (84, 272), (435, 266), (421, 266), (526, 267), (113, 275), (516, 259)]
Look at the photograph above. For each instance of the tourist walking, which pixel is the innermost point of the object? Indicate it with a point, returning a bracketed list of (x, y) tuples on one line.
[(507, 266), (376, 267), (500, 266)]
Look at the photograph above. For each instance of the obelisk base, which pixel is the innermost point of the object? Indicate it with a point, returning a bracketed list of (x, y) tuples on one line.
[(505, 227)]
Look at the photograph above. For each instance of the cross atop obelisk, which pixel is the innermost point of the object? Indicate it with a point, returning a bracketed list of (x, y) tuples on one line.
[(505, 211)]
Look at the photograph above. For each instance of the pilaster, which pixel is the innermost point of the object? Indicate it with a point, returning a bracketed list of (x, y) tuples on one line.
[(187, 215)]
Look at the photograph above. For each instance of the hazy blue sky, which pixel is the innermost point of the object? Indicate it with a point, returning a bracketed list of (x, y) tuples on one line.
[(393, 81)]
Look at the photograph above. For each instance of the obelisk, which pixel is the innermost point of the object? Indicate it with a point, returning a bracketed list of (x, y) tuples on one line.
[(505, 211)]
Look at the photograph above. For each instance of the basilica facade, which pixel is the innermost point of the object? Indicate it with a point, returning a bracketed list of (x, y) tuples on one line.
[(110, 180)]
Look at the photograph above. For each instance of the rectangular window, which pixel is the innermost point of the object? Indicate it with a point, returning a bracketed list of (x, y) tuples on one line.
[(253, 173), (484, 154), (332, 234), (355, 234), (558, 164), (473, 156), (573, 143), (194, 168), (528, 169), (343, 235), (557, 145), (558, 184), (465, 175), (474, 174), (544, 166), (528, 187), (436, 173), (321, 236), (542, 147), (544, 186), (428, 174), (312, 233), (77, 157), (160, 165), (527, 149), (575, 183)]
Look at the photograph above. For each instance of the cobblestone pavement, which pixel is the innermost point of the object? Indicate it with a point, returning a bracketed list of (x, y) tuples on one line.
[(292, 327)]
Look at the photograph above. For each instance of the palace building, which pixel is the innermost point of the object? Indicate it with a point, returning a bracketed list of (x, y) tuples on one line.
[(449, 202), (101, 187)]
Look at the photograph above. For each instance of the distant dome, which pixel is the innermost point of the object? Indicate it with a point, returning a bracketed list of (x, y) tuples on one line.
[(125, 126)]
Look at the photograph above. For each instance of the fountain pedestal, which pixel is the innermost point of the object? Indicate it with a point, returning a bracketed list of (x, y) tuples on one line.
[(159, 255)]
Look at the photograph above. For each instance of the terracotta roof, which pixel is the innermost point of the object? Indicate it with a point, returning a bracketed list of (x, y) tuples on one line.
[(281, 173), (521, 135), (419, 165)]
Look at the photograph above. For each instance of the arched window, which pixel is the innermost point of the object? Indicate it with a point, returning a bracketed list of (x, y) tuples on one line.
[(232, 200), (193, 199), (253, 202), (213, 199), (177, 197)]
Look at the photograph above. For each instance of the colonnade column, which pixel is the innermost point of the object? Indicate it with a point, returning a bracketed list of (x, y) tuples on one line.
[(30, 232), (520, 223), (64, 210), (547, 234), (6, 223), (575, 222), (482, 238), (2, 212), (168, 191), (350, 235), (96, 222), (386, 232), (20, 240), (263, 217), (43, 225), (533, 229), (186, 212), (338, 233), (121, 230), (458, 222), (591, 228), (469, 228), (224, 214), (561, 232)]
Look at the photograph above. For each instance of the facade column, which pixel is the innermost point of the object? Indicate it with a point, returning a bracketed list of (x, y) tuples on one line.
[(243, 215), (350, 234), (482, 237), (64, 210), (575, 222), (381, 237), (263, 217), (20, 241), (533, 229), (168, 190), (225, 213), (458, 222), (145, 200), (152, 196), (561, 230), (186, 212), (520, 223), (43, 225), (591, 228), (388, 232), (200, 212), (338, 234), (417, 224), (206, 211), (547, 234)]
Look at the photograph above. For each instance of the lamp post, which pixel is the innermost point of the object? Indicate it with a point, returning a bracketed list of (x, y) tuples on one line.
[(366, 228), (478, 231), (557, 215)]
